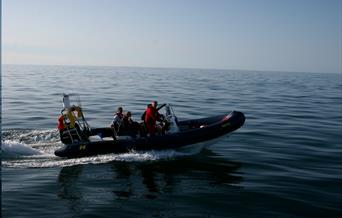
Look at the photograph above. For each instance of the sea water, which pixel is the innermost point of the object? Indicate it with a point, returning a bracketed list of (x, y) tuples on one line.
[(285, 161)]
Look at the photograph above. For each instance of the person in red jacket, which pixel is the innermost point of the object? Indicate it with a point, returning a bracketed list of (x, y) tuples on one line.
[(151, 117), (60, 125)]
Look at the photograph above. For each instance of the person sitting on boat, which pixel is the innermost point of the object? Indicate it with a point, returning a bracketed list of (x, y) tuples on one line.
[(151, 117), (129, 125), (117, 119)]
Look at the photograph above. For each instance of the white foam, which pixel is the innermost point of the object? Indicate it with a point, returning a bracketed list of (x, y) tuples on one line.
[(35, 149), (39, 135), (45, 161), (13, 148)]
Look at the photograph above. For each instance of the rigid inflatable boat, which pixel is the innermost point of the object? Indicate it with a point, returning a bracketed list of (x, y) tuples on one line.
[(86, 141)]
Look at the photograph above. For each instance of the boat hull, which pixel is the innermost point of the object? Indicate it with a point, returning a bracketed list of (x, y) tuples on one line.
[(192, 132)]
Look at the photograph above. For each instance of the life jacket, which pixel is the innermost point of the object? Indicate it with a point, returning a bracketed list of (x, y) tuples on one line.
[(67, 118), (151, 115), (71, 118), (60, 123), (144, 114)]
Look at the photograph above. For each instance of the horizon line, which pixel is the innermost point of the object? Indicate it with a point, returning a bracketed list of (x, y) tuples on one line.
[(155, 67)]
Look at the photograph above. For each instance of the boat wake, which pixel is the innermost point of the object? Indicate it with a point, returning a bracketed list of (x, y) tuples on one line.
[(14, 149), (35, 149)]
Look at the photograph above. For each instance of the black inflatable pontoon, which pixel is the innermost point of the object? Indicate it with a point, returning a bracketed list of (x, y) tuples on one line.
[(188, 132)]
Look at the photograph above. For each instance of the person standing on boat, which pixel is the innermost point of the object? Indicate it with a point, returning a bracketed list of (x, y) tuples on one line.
[(151, 117), (69, 116), (67, 120), (117, 119)]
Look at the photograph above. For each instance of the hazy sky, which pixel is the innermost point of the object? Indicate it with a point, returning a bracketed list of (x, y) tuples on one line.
[(287, 35)]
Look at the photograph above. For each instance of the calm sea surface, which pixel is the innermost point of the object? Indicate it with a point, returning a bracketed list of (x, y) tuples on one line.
[(286, 161)]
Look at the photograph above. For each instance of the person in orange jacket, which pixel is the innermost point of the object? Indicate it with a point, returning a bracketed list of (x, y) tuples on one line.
[(151, 117)]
